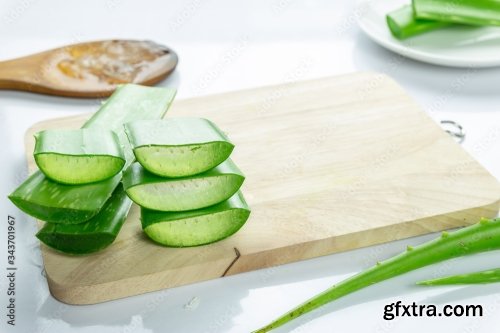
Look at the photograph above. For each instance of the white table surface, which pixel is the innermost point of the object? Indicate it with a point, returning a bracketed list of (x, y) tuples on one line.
[(227, 45)]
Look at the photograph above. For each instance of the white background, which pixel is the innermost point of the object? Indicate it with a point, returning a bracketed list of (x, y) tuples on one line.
[(228, 45)]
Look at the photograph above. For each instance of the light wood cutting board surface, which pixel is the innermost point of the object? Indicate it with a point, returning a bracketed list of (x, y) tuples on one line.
[(331, 165)]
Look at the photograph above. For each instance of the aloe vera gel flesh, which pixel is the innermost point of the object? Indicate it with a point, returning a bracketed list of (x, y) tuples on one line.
[(178, 147), (179, 194), (196, 227), (78, 156)]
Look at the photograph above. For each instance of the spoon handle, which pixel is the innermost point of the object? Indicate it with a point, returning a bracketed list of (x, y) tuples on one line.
[(21, 74)]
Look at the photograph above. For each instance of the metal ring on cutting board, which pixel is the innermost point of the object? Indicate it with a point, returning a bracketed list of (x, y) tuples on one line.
[(456, 130)]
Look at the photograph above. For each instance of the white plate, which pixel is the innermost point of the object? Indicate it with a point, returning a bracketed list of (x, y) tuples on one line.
[(456, 47)]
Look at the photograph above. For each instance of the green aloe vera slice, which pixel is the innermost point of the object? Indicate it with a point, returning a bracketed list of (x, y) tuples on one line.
[(78, 156), (403, 24), (179, 194), (93, 235), (472, 12), (178, 147), (50, 201), (196, 227)]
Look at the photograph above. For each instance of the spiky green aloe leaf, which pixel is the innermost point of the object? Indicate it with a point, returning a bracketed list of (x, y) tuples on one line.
[(488, 276), (480, 237)]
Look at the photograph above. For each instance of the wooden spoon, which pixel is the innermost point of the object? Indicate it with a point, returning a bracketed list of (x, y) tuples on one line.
[(91, 69)]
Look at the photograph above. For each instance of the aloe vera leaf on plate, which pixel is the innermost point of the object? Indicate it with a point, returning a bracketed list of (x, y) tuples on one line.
[(47, 200), (93, 235), (178, 147), (488, 276), (187, 193), (403, 24), (196, 227), (471, 12), (78, 156), (480, 237)]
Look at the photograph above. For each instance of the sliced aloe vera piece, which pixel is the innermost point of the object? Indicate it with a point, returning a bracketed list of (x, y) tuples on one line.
[(78, 156), (93, 235), (178, 147), (187, 193), (472, 12), (403, 24), (57, 203), (196, 227), (49, 201)]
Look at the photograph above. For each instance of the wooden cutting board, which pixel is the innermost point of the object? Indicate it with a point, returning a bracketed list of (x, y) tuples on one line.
[(332, 164)]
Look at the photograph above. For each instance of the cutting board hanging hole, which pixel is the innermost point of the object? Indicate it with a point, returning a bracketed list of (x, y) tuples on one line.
[(454, 129)]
